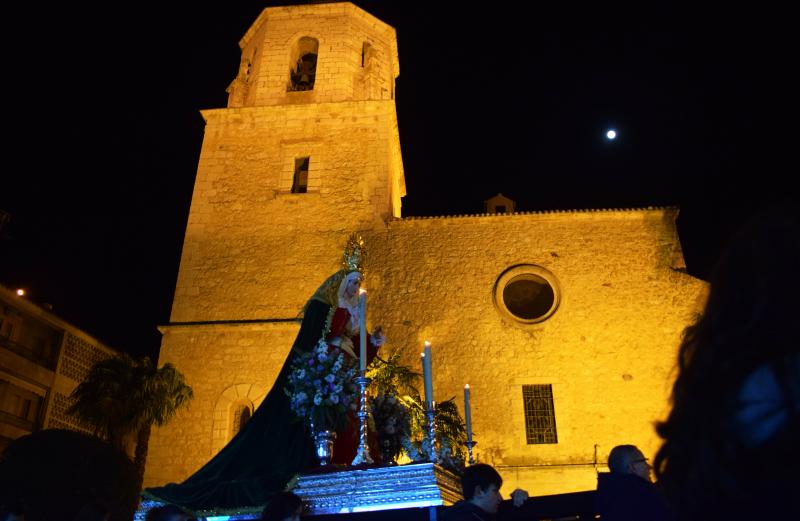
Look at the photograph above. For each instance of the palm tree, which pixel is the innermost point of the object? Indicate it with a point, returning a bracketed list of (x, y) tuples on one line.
[(122, 396)]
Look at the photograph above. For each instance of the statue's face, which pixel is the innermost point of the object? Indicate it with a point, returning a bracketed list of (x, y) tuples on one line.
[(352, 287)]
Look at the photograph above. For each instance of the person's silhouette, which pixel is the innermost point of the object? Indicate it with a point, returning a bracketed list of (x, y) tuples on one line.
[(731, 446)]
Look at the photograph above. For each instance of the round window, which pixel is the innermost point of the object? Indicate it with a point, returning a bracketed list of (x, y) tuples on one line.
[(527, 294)]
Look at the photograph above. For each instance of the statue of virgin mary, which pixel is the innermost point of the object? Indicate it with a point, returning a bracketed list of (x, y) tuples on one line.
[(274, 446)]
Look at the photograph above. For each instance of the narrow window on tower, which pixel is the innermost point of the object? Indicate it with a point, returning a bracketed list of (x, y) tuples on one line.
[(300, 180), (249, 66), (540, 415), (366, 54)]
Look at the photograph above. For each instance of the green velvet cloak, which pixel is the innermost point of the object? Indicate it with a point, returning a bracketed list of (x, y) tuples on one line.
[(258, 462)]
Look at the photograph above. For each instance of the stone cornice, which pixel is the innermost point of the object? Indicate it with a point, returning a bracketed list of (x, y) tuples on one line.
[(300, 107), (347, 8), (253, 324), (571, 212)]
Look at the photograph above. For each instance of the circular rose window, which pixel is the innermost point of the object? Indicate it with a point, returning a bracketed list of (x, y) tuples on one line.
[(526, 293)]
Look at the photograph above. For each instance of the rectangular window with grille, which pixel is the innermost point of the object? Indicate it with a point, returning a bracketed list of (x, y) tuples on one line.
[(540, 416)]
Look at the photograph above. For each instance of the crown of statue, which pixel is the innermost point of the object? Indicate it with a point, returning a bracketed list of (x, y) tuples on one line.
[(355, 254)]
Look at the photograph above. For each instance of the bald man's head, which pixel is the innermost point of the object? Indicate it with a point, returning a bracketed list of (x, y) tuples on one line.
[(628, 459)]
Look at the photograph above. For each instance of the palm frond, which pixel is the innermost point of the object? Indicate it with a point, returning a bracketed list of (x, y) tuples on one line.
[(121, 394), (391, 377)]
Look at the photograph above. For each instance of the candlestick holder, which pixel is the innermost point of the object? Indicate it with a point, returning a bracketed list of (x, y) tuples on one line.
[(469, 445), (430, 413), (362, 455)]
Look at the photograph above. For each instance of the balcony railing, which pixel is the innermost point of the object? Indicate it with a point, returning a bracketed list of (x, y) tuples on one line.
[(47, 360), (22, 423)]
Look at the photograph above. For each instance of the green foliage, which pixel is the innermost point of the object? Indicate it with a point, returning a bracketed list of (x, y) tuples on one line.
[(391, 377), (124, 396), (121, 395)]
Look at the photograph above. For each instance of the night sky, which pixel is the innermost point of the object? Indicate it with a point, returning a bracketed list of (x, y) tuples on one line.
[(103, 128)]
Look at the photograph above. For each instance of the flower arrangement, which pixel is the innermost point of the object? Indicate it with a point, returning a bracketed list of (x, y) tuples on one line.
[(321, 388), (392, 424)]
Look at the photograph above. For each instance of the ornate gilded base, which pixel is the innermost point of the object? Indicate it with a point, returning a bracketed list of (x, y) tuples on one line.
[(378, 488), (359, 490)]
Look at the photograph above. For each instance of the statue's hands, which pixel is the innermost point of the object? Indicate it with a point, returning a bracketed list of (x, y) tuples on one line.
[(519, 497), (378, 338)]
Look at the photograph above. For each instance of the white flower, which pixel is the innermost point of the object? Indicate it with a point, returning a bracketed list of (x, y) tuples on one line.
[(334, 398), (330, 378), (317, 399)]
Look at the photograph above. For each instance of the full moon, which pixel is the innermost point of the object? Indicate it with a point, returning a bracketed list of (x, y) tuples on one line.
[(611, 134)]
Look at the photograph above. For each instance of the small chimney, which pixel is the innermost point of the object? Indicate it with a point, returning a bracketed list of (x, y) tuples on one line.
[(499, 204)]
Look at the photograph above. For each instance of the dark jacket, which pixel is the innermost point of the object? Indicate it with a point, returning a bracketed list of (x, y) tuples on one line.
[(465, 511), (627, 497)]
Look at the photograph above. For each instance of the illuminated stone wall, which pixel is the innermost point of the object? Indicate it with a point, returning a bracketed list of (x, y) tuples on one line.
[(608, 350), (254, 253), (224, 363), (343, 71), (245, 226)]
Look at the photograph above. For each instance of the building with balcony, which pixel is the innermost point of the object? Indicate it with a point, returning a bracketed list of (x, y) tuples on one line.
[(42, 359)]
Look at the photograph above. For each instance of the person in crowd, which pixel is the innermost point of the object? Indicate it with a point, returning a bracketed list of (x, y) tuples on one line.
[(627, 493), (730, 442), (481, 485), (12, 512)]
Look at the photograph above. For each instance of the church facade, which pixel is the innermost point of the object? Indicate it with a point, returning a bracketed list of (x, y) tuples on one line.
[(564, 324)]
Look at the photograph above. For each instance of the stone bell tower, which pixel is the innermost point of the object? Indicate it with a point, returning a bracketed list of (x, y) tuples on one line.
[(306, 152)]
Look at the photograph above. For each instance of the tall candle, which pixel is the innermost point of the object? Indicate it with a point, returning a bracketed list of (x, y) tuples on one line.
[(467, 413), (424, 376), (362, 329), (427, 374)]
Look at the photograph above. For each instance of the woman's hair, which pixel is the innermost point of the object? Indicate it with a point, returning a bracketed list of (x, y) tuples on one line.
[(281, 506), (748, 323)]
